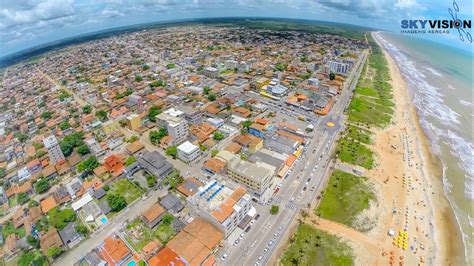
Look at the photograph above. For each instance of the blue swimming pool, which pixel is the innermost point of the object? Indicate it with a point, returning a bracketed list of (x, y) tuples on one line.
[(103, 220), (132, 263)]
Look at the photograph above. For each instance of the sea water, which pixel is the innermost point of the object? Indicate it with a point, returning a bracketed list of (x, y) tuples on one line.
[(440, 83)]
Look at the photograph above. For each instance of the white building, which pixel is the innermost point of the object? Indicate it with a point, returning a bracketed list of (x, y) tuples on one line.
[(338, 67), (54, 151), (211, 72), (222, 205), (188, 152), (174, 122)]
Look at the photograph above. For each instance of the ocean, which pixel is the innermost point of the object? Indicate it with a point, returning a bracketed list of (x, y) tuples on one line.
[(440, 83)]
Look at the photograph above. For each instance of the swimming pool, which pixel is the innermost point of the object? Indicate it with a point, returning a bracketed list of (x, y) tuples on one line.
[(103, 220), (132, 263)]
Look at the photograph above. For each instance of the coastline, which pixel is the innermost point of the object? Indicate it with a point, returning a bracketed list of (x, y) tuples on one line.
[(448, 247)]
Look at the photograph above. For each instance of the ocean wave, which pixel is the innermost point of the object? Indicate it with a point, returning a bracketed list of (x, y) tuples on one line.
[(451, 87), (465, 103), (434, 72)]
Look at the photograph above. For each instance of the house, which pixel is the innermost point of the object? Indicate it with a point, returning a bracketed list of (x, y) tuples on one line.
[(11, 247), (189, 187), (19, 217), (49, 240), (114, 165), (155, 164), (134, 147), (151, 249), (35, 214), (196, 242), (70, 236), (214, 166), (167, 256), (48, 204), (114, 251), (172, 203), (74, 188), (62, 195), (49, 172), (153, 215)]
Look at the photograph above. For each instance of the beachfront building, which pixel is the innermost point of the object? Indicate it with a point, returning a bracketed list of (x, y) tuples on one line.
[(223, 205), (338, 67)]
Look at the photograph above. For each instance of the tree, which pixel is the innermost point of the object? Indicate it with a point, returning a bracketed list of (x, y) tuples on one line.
[(46, 115), (274, 209), (153, 112), (130, 160), (82, 229), (21, 136), (22, 198), (145, 67), (32, 258), (70, 142), (42, 185), (64, 125), (3, 172), (60, 218), (32, 241), (170, 66), (32, 203), (101, 114), (206, 90), (158, 83), (156, 136), (150, 181), (53, 252), (116, 202), (87, 109), (83, 149), (202, 147), (172, 151), (218, 135), (89, 164), (332, 76), (168, 219), (212, 97), (214, 153), (138, 78)]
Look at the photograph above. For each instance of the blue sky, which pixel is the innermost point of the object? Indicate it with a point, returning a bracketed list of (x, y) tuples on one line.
[(27, 23)]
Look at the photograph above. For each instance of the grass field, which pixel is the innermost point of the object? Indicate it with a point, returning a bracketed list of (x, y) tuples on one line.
[(146, 235), (164, 233), (125, 188), (345, 197), (356, 153), (311, 246)]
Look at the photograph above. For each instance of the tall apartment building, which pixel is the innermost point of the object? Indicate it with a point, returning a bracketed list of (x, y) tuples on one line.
[(54, 151), (188, 152), (224, 205), (176, 125), (338, 67)]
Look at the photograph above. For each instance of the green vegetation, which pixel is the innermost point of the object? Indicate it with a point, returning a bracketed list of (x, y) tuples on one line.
[(172, 151), (145, 235), (211, 97), (116, 202), (42, 185), (130, 160), (345, 197), (21, 136), (153, 112), (126, 189), (126, 93), (170, 66), (83, 149), (64, 125), (22, 198), (150, 180), (310, 246), (332, 76), (70, 142), (46, 115), (355, 153), (60, 218), (9, 229), (206, 90), (156, 136), (53, 252), (34, 258), (63, 95), (158, 83), (101, 114), (280, 67), (274, 209), (138, 78), (218, 135), (173, 180), (3, 172), (145, 67), (87, 109), (357, 134), (167, 218), (164, 233), (89, 164)]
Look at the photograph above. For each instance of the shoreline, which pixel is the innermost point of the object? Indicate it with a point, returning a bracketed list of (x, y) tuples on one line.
[(447, 243)]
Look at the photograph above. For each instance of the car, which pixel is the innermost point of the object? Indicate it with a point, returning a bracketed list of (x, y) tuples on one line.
[(242, 235), (247, 229), (224, 257), (265, 251), (270, 243), (260, 258), (237, 241), (275, 234), (309, 179), (258, 216), (256, 264), (254, 200)]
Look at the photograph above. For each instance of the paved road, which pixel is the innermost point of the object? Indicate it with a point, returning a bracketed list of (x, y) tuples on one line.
[(258, 247)]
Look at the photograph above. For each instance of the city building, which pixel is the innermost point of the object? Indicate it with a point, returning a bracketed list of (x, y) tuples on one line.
[(175, 124), (188, 152), (54, 150), (221, 205), (211, 72), (133, 122), (338, 67), (155, 164)]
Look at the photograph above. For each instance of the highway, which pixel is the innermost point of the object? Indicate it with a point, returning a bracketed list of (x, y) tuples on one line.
[(310, 171)]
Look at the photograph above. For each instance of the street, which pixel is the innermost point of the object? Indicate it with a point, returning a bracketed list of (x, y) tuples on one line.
[(299, 190)]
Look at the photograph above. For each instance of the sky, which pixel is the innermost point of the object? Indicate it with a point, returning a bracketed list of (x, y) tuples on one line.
[(28, 23)]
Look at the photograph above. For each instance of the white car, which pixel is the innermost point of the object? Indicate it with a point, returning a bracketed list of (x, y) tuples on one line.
[(224, 257)]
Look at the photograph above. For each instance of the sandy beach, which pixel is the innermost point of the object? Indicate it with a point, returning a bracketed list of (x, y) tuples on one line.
[(411, 199)]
